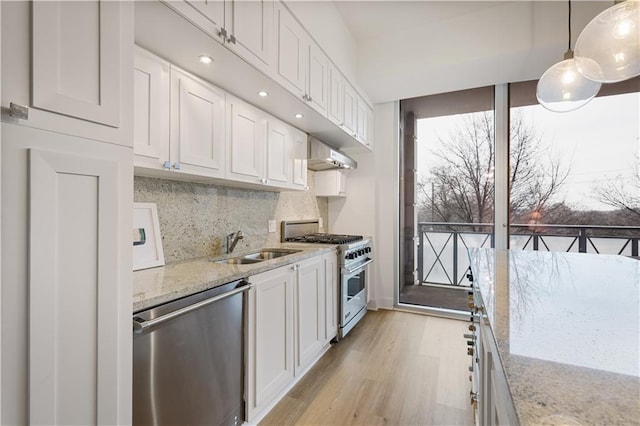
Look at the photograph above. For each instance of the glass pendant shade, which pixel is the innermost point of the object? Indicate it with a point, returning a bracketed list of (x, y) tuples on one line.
[(563, 88), (608, 49)]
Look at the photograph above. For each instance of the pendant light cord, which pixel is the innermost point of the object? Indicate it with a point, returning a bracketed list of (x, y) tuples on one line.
[(569, 48)]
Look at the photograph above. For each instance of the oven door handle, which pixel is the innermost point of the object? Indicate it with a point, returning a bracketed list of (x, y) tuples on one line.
[(360, 266)]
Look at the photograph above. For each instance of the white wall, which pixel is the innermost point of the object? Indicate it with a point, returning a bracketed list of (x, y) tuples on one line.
[(371, 205), (513, 41)]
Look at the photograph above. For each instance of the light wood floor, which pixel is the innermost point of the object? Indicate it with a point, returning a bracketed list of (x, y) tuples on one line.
[(394, 368)]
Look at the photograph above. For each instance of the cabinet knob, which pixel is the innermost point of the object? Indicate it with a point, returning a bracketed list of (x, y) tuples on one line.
[(231, 39), (309, 98), (295, 267), (176, 165), (166, 165)]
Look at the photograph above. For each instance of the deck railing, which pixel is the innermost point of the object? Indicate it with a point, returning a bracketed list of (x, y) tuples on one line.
[(442, 255)]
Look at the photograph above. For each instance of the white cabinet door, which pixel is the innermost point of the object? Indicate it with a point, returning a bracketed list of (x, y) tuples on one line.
[(331, 183), (210, 17), (70, 62), (309, 305), (279, 154), (197, 126), (292, 50), (331, 291), (249, 24), (361, 121), (66, 279), (150, 110), (350, 110), (317, 79), (247, 127), (335, 109), (270, 352), (370, 127), (76, 59), (299, 157)]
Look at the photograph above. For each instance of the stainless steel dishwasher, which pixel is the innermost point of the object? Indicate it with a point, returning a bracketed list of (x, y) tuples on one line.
[(188, 359)]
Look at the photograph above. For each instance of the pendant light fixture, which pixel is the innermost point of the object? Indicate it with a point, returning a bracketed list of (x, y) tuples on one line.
[(562, 87), (608, 49)]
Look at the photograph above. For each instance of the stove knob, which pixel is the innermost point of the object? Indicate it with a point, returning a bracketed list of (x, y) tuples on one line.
[(351, 256), (368, 249), (360, 252)]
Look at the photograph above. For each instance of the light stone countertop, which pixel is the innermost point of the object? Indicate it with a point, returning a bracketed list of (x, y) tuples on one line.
[(567, 329), (155, 286)]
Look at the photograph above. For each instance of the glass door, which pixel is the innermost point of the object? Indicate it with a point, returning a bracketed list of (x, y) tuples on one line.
[(447, 195)]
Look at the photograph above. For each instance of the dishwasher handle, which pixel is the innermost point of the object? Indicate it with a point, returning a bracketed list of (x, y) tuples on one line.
[(140, 325)]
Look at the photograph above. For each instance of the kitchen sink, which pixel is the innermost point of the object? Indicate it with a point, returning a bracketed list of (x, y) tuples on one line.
[(239, 261), (266, 254), (260, 256)]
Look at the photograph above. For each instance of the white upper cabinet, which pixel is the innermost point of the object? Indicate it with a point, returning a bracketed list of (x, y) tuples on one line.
[(331, 183), (70, 63), (350, 110), (335, 85), (302, 67), (279, 153), (291, 41), (150, 110), (317, 79), (243, 26), (197, 126), (247, 132), (249, 28), (76, 65), (185, 128), (286, 158), (212, 10), (361, 121), (299, 157)]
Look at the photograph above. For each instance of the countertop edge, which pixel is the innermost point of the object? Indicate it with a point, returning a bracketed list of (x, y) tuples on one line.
[(196, 275)]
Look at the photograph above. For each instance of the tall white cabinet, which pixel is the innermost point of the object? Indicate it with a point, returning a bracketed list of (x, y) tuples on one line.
[(66, 213)]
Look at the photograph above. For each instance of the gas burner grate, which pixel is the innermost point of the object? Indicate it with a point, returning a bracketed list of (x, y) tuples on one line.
[(325, 238)]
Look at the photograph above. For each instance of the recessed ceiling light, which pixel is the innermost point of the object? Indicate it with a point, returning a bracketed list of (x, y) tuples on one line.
[(263, 93), (205, 59), (298, 115)]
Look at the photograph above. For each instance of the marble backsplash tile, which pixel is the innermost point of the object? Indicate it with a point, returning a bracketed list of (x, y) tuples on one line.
[(195, 218)]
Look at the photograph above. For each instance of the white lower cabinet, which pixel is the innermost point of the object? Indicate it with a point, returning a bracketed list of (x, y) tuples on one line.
[(287, 328), (331, 294), (270, 338), (309, 312)]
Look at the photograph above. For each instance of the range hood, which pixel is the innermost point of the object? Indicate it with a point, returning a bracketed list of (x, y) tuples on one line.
[(323, 157)]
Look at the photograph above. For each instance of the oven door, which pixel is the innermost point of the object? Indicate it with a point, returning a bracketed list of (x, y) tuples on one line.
[(354, 283)]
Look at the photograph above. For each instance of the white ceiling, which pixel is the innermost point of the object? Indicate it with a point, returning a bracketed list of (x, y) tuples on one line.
[(405, 49), (370, 19)]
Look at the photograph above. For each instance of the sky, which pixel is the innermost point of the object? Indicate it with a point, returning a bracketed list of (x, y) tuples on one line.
[(599, 141)]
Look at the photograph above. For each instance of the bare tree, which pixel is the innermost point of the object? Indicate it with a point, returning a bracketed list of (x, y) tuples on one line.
[(461, 188), (621, 193)]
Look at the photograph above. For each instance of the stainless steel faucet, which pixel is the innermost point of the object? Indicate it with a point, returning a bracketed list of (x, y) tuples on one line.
[(232, 240)]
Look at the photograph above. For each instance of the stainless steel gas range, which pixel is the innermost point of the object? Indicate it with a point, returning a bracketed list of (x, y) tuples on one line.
[(355, 254)]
